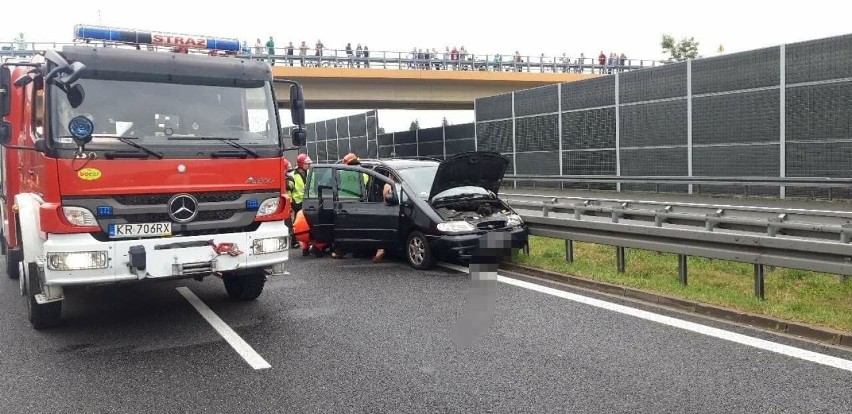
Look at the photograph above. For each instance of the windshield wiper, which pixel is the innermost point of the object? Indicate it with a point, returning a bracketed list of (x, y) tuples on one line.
[(228, 141), (126, 140), (237, 145)]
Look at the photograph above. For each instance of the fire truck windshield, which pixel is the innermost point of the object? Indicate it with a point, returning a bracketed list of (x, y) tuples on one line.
[(167, 116)]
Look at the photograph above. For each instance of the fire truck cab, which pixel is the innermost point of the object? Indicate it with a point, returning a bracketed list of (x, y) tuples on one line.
[(125, 165)]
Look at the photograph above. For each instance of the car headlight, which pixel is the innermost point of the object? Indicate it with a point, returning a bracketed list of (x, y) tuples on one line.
[(268, 206), (77, 260), (513, 220), (269, 245), (79, 216), (455, 227)]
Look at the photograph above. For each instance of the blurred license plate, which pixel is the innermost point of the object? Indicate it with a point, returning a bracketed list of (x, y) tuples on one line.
[(117, 231)]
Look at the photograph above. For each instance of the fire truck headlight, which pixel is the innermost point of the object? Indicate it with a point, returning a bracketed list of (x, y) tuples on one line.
[(79, 216), (268, 206), (77, 260), (269, 245)]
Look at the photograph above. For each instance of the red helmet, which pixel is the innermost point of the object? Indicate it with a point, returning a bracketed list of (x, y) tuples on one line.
[(303, 159), (350, 158), (286, 163)]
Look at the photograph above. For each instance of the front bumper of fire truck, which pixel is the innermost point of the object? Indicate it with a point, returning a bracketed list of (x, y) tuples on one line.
[(80, 259)]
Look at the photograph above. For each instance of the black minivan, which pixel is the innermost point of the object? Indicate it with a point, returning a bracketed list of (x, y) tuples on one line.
[(438, 210)]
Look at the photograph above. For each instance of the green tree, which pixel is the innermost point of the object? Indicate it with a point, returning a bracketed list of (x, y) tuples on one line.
[(444, 122), (679, 51), (381, 130), (415, 125)]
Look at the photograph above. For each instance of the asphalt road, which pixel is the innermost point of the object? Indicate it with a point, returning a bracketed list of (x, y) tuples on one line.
[(348, 335)]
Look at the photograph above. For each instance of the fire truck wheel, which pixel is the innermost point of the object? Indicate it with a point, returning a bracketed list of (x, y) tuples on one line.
[(12, 263), (245, 286), (45, 315)]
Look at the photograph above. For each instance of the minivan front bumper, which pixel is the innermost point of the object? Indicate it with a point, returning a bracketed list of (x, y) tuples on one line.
[(462, 246)]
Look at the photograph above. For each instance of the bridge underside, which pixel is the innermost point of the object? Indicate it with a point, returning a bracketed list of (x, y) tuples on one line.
[(335, 88)]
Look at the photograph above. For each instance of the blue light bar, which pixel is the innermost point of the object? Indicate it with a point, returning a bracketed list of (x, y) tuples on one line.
[(82, 32), (105, 211), (252, 204)]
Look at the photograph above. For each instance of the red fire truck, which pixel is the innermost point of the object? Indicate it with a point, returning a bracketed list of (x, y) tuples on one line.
[(125, 165)]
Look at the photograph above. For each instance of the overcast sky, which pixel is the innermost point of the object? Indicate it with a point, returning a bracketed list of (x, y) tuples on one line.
[(532, 27)]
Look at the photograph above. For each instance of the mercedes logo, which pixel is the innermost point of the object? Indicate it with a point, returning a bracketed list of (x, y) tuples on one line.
[(183, 208)]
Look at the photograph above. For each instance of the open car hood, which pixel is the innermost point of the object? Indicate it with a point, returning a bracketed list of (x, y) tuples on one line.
[(478, 169)]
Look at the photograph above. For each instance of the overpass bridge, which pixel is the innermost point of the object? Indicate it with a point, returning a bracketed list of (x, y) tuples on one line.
[(393, 80), (360, 88)]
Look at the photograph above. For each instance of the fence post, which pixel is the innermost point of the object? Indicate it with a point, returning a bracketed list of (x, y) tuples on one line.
[(617, 133), (682, 269), (758, 281), (620, 259), (569, 251), (689, 120), (559, 114), (514, 144), (444, 138), (782, 116)]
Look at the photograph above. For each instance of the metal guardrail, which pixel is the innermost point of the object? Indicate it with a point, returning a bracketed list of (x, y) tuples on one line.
[(379, 59), (815, 240), (696, 182)]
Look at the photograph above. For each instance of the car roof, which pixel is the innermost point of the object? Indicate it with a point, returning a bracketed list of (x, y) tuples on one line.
[(401, 163)]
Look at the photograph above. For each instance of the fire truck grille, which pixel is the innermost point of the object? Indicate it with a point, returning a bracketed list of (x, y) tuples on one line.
[(215, 215), (154, 199)]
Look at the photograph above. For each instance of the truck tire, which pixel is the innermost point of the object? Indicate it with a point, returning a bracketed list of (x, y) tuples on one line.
[(12, 262), (245, 286), (418, 252), (41, 316)]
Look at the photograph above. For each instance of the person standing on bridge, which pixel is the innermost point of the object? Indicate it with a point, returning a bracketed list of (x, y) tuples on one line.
[(270, 49), (303, 50), (366, 56), (359, 52), (290, 53)]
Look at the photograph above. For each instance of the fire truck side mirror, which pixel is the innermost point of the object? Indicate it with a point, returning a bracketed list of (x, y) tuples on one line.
[(297, 105), (299, 136), (76, 95), (5, 90), (5, 133)]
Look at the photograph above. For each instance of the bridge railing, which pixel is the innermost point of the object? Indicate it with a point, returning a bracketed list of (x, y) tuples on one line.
[(381, 59)]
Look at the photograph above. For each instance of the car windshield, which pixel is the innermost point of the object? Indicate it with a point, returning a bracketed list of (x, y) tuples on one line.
[(168, 114), (420, 179)]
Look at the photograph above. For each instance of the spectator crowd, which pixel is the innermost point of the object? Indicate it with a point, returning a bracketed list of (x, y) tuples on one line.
[(454, 58)]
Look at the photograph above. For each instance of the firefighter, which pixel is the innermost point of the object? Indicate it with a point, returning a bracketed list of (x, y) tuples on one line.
[(296, 189), (349, 186)]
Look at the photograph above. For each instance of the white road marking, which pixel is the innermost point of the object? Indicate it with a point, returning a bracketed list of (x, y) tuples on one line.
[(787, 350), (242, 347)]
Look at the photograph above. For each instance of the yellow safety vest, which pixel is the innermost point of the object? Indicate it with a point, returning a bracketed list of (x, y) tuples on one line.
[(349, 187), (298, 187)]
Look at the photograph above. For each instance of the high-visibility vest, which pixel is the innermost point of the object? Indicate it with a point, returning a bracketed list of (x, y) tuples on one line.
[(298, 187), (349, 186)]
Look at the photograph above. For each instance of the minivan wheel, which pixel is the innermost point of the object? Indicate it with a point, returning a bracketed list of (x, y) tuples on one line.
[(418, 251)]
